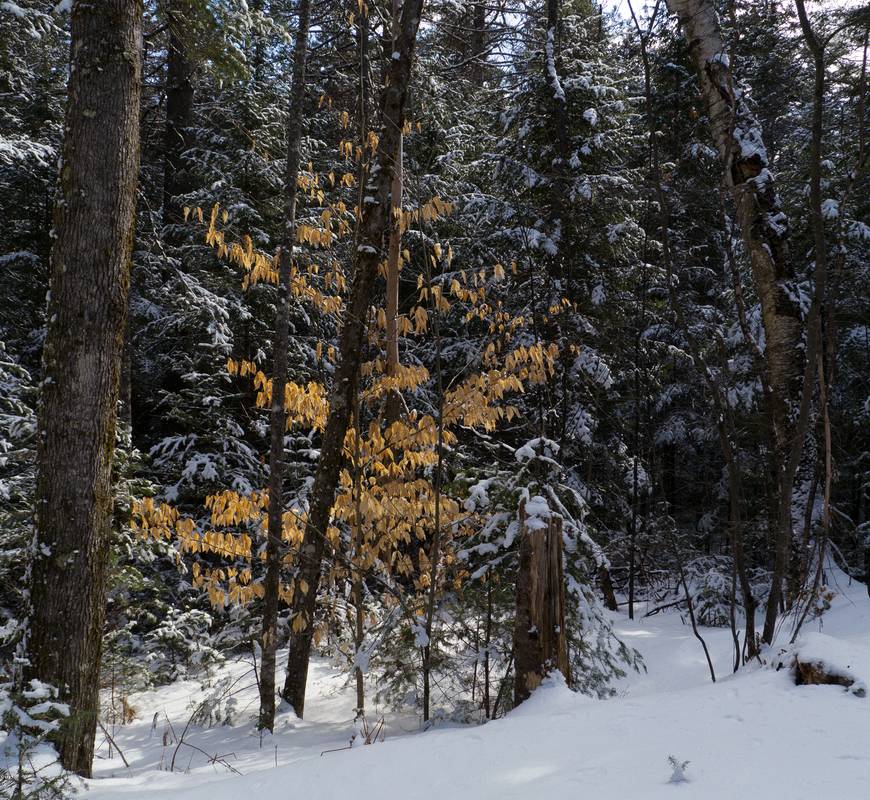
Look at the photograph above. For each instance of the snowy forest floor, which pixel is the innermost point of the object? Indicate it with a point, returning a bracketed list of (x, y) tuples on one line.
[(750, 734)]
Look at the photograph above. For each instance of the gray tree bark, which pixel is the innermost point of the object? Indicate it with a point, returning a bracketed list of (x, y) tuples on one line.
[(94, 220)]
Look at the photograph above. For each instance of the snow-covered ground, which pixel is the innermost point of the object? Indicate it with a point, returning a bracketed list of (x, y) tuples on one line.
[(755, 734)]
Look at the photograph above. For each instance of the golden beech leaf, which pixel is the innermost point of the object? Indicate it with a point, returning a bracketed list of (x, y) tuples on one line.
[(421, 319)]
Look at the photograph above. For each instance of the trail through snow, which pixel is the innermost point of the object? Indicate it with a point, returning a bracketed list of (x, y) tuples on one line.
[(755, 734)]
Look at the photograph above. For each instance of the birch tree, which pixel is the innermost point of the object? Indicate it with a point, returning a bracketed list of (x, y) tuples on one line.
[(764, 229)]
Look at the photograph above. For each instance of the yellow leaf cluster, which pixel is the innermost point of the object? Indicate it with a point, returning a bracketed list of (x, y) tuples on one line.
[(534, 364)]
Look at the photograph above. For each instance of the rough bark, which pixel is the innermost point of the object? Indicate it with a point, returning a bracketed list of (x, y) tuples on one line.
[(540, 644), (764, 229), (94, 219), (179, 109), (368, 256), (278, 418)]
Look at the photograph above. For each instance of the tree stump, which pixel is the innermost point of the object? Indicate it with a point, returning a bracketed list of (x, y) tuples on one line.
[(540, 645)]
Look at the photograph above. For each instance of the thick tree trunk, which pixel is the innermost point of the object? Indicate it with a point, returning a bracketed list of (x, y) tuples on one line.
[(179, 109), (369, 254), (94, 220), (764, 228), (278, 420), (540, 643)]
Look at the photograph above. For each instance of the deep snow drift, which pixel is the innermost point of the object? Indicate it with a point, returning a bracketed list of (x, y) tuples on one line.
[(751, 735)]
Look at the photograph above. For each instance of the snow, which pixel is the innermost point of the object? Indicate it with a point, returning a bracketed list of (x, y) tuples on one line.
[(598, 295), (14, 9), (830, 209), (537, 513), (836, 657), (593, 367), (748, 136), (669, 733), (558, 91)]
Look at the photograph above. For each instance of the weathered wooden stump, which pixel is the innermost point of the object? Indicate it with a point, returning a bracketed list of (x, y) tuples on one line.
[(540, 644)]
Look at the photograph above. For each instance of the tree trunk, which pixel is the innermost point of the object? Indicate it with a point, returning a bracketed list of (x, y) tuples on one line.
[(278, 419), (369, 254), (791, 452), (764, 228), (560, 120), (356, 563), (94, 221), (478, 43), (605, 583), (487, 640), (179, 109), (725, 425), (540, 644), (357, 585), (394, 398), (434, 554)]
